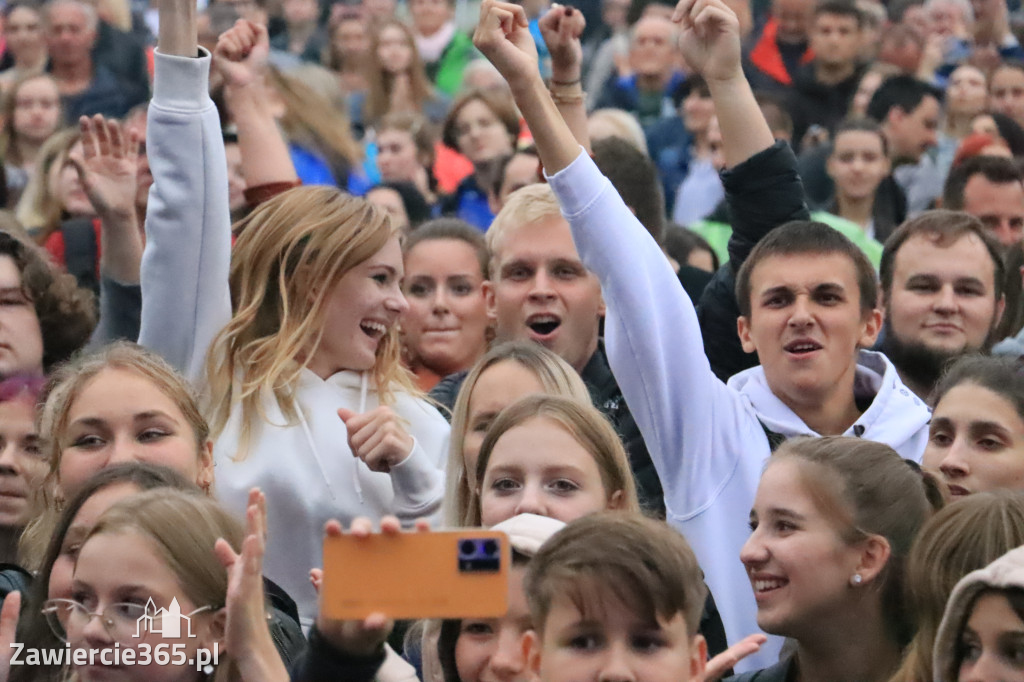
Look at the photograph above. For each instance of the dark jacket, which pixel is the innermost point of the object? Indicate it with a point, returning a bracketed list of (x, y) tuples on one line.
[(811, 102), (763, 192), (782, 671), (125, 55), (321, 661)]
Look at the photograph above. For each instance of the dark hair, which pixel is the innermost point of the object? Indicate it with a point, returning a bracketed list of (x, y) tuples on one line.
[(864, 125), (842, 8), (1000, 374), (449, 228), (694, 85), (416, 207), (801, 237), (943, 228), (1015, 598), (681, 242), (499, 170), (498, 101), (996, 169), (905, 92), (33, 629), (1011, 132), (66, 313), (774, 110), (636, 180)]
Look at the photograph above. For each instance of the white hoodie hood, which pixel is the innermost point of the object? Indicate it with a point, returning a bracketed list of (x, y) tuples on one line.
[(896, 416)]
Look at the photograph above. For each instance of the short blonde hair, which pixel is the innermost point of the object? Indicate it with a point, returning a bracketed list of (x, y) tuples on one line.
[(526, 205), (622, 124), (555, 375), (585, 424)]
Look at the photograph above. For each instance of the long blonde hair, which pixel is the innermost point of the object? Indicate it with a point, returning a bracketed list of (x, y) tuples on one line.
[(290, 253), (38, 209), (555, 375)]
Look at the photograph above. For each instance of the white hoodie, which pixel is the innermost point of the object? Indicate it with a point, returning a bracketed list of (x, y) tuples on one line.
[(307, 471), (706, 439)]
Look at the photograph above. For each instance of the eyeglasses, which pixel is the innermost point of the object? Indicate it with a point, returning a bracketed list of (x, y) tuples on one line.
[(122, 621)]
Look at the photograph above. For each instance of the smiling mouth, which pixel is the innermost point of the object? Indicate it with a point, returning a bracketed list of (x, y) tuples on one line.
[(802, 347), (764, 586), (375, 330)]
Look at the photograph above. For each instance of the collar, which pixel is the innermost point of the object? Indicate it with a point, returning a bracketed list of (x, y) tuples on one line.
[(432, 47)]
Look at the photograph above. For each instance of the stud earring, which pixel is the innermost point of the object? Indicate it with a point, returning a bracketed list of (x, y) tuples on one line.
[(856, 579), (208, 669)]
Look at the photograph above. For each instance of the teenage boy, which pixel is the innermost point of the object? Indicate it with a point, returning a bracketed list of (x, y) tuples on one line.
[(615, 579), (806, 298)]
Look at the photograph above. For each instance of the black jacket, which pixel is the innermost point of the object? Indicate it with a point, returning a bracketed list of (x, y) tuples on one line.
[(811, 102), (321, 662), (763, 192), (782, 671)]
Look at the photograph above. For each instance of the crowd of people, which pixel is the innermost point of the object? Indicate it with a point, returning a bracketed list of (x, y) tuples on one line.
[(729, 343)]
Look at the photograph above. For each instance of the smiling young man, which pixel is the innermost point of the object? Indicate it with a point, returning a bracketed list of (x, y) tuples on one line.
[(807, 305)]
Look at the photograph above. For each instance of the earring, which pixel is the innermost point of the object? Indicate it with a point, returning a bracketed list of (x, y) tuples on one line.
[(208, 669), (856, 579)]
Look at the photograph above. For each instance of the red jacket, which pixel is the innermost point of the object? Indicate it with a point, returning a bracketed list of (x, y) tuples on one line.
[(767, 58)]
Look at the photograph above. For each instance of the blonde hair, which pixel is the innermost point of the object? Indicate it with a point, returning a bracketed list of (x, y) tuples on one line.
[(183, 528), (960, 538), (623, 125), (38, 209), (555, 376), (526, 205), (62, 390), (585, 424), (290, 252)]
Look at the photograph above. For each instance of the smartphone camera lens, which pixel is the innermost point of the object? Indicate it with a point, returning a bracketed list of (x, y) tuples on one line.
[(479, 556), (490, 547), (467, 549)]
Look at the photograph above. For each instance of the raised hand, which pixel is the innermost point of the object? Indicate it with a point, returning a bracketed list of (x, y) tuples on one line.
[(730, 657), (561, 28), (710, 38), (247, 636), (377, 437), (9, 616), (503, 36), (241, 53), (108, 166)]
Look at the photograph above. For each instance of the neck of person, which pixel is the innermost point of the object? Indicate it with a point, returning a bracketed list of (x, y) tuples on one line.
[(72, 77), (32, 61), (856, 209), (919, 388), (830, 74), (653, 82), (958, 125), (853, 647), (831, 413), (28, 152)]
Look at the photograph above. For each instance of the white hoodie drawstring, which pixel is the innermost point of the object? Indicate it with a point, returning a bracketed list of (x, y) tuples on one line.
[(363, 388), (316, 452)]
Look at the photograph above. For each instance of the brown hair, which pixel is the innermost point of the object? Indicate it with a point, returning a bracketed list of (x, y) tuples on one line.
[(959, 539), (802, 237), (943, 229), (452, 229), (584, 423), (422, 133), (381, 82), (498, 101), (8, 148), (644, 564), (867, 489)]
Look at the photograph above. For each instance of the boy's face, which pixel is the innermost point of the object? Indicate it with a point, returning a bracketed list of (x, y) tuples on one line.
[(612, 644), (806, 324)]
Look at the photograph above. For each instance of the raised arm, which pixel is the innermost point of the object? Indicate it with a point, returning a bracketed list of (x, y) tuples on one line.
[(561, 28), (241, 58), (188, 237)]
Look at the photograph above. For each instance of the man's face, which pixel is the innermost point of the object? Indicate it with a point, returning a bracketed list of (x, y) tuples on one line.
[(540, 291), (652, 52), (1000, 206), (943, 297), (835, 39), (68, 35), (1006, 93), (912, 133), (794, 18), (428, 16)]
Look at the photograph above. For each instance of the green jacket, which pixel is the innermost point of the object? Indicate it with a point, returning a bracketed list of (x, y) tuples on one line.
[(446, 72), (717, 235)]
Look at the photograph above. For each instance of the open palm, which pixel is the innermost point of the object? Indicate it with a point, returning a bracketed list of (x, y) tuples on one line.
[(108, 165)]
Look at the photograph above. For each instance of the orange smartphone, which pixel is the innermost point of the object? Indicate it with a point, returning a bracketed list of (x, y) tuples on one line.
[(439, 574)]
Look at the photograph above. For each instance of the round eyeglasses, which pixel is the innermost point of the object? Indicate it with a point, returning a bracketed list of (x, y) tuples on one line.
[(123, 621)]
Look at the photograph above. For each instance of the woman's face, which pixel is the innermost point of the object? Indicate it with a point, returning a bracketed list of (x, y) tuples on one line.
[(23, 31), (539, 468), (67, 189), (976, 441), (697, 112), (88, 514), (22, 466), (991, 646), (391, 201), (858, 163), (21, 337), (397, 158), (361, 310), (122, 416), (491, 649), (498, 386), (799, 567), (126, 567), (445, 327), (394, 50), (36, 110), (967, 92), (865, 91), (481, 136)]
